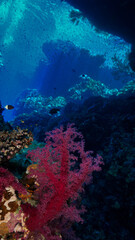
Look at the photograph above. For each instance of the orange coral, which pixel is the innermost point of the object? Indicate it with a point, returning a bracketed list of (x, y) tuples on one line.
[(12, 142)]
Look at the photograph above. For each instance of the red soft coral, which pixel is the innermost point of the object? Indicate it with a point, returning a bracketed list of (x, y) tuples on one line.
[(58, 178), (7, 179)]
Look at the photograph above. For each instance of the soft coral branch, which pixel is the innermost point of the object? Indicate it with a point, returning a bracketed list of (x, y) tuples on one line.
[(7, 179), (57, 182)]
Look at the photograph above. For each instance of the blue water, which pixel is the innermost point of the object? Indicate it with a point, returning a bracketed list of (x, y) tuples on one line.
[(43, 47)]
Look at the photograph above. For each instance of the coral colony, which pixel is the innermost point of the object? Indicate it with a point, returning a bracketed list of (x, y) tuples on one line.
[(43, 203)]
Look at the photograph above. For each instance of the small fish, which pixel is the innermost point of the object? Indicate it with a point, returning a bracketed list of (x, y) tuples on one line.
[(54, 111), (84, 76), (9, 107), (22, 121)]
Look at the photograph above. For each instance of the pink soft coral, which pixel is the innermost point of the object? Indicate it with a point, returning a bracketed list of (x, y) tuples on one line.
[(58, 177), (7, 179)]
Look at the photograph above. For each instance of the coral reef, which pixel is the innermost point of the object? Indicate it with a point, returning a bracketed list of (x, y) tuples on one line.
[(89, 86), (44, 202), (94, 87), (107, 125), (31, 101), (128, 89), (33, 110), (12, 142), (12, 224)]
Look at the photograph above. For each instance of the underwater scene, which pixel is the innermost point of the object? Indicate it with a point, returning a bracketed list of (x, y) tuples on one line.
[(67, 120)]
